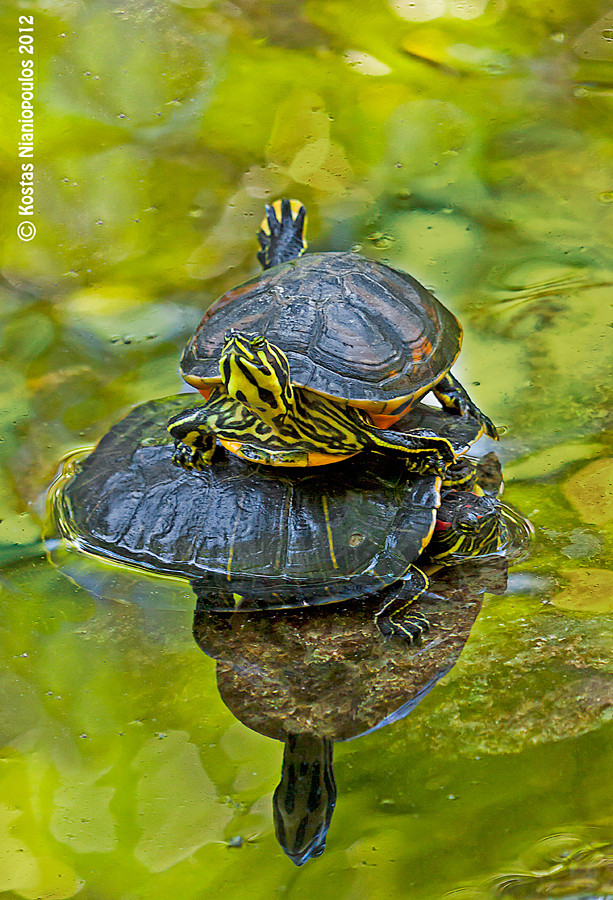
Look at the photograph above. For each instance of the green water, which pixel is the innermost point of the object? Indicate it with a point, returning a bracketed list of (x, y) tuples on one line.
[(464, 141)]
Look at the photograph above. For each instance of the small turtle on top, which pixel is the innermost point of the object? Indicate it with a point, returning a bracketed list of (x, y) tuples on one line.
[(258, 414), (356, 335)]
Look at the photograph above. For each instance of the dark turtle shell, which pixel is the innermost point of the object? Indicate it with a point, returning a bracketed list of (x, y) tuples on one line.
[(351, 328), (241, 533)]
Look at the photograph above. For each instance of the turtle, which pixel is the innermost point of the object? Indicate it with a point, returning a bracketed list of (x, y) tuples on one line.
[(258, 414), (343, 683), (249, 537), (352, 331)]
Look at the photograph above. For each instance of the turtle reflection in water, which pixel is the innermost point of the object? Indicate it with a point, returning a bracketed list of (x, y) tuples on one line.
[(310, 679), (250, 537)]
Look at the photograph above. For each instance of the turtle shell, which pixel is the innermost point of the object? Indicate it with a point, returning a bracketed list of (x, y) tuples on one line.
[(244, 535), (351, 328)]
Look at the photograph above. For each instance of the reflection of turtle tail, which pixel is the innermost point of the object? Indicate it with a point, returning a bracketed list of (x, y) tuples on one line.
[(304, 800)]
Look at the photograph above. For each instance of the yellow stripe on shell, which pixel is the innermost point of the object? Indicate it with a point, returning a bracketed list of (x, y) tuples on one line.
[(324, 503)]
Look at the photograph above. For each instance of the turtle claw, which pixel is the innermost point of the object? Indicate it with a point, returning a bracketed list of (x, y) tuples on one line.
[(490, 429), (433, 466), (410, 628), (470, 410), (428, 464), (453, 397), (187, 457)]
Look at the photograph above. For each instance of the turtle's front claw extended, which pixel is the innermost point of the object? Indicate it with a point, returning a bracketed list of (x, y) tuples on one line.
[(187, 457), (471, 410)]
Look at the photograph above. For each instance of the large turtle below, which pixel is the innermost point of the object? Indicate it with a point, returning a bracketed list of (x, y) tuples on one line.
[(250, 537)]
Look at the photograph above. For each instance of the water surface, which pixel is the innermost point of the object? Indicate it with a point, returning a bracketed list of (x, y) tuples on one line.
[(466, 142)]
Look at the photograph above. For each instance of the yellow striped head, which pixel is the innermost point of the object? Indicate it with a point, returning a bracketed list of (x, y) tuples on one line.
[(256, 373), (467, 526)]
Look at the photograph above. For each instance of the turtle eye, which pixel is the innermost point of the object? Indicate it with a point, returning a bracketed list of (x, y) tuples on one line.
[(467, 521)]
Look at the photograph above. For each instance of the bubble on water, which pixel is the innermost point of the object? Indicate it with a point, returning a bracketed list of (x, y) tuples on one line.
[(381, 240)]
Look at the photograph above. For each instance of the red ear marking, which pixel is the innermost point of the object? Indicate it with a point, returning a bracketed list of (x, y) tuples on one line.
[(442, 526)]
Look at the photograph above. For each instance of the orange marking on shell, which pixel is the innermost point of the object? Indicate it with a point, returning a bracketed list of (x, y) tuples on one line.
[(392, 412), (324, 459), (205, 390), (381, 421), (232, 447), (223, 301), (421, 350)]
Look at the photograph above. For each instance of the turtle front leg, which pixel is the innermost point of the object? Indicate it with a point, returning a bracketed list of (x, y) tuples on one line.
[(425, 452), (453, 397), (392, 618), (194, 439)]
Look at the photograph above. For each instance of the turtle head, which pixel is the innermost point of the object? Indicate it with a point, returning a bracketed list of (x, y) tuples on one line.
[(256, 373), (467, 526)]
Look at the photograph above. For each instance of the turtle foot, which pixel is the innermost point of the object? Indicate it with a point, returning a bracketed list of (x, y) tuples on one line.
[(469, 410), (428, 464), (187, 457), (454, 398), (281, 234), (410, 628), (488, 426)]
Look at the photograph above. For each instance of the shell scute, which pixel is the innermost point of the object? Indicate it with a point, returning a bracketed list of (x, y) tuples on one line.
[(351, 328)]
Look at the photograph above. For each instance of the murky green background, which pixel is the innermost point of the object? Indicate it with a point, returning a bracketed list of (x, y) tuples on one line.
[(466, 141)]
